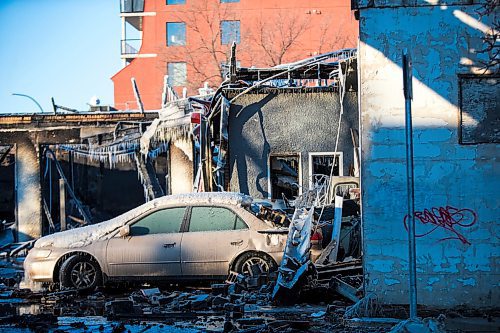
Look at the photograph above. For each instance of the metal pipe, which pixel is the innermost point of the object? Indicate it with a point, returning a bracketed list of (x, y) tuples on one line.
[(137, 95), (408, 93)]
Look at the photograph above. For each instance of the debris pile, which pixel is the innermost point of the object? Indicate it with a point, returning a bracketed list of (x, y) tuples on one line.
[(243, 303)]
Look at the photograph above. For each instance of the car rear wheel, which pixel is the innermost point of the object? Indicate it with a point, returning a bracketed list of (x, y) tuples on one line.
[(81, 273), (254, 263)]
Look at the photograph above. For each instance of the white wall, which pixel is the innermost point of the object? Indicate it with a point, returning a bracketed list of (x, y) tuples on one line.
[(456, 264)]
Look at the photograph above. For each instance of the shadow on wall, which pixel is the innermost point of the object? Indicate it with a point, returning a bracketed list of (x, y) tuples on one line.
[(456, 187), (442, 41), (434, 51), (243, 115)]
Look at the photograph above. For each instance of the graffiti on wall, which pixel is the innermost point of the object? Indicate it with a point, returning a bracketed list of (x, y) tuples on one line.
[(448, 218)]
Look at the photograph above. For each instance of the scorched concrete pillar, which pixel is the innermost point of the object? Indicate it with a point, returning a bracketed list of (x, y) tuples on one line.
[(181, 167), (29, 192)]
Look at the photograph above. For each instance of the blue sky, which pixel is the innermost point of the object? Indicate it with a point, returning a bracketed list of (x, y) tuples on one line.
[(66, 49)]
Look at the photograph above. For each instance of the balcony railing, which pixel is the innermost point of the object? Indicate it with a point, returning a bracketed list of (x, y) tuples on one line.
[(131, 6), (130, 46)]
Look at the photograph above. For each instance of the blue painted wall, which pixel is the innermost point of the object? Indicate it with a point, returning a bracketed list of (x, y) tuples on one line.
[(458, 249)]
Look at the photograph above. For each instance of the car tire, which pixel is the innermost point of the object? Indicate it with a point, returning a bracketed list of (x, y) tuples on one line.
[(244, 262), (80, 272)]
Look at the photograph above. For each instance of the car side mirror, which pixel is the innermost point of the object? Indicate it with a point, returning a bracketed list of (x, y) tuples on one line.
[(124, 231)]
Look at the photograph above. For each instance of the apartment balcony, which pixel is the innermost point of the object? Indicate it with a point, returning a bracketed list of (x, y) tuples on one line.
[(132, 15), (130, 47)]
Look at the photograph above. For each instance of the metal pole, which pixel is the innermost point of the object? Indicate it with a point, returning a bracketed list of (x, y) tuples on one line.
[(54, 106), (62, 204), (123, 45), (137, 95), (408, 93), (202, 142), (72, 169)]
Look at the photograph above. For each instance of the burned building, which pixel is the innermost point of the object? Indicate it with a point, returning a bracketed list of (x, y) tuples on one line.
[(282, 137), (67, 168)]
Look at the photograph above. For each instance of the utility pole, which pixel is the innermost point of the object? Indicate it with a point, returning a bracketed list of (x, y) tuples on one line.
[(408, 93)]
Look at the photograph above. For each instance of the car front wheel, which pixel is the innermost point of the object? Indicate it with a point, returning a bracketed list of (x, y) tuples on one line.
[(81, 273), (254, 263)]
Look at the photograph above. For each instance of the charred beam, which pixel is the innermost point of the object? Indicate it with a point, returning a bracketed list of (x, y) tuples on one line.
[(319, 71)]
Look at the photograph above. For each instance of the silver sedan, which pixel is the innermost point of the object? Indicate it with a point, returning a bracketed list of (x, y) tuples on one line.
[(188, 236)]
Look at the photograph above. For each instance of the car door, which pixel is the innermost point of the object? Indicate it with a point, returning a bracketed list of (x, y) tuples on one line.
[(214, 236), (153, 247)]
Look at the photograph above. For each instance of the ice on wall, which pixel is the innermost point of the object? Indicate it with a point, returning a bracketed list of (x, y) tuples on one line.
[(86, 235), (172, 124), (148, 135)]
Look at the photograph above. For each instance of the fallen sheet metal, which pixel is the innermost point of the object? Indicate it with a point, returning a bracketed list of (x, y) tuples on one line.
[(344, 289), (296, 255)]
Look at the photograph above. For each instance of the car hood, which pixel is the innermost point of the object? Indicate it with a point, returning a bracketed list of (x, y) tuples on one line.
[(84, 236)]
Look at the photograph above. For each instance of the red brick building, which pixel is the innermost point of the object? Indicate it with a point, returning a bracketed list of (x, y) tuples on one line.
[(189, 40)]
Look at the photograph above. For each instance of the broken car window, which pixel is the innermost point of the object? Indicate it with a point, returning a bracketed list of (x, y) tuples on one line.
[(164, 221), (213, 219)]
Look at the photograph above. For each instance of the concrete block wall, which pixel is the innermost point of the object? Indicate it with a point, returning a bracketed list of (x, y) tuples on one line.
[(456, 185)]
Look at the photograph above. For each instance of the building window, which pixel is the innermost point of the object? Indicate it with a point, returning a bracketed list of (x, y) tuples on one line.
[(176, 2), (479, 109), (131, 6), (320, 167), (177, 74), (226, 1), (230, 32), (284, 177), (176, 33)]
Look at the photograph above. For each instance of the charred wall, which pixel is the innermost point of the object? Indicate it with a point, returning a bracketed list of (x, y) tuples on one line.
[(100, 187), (281, 122), (7, 188)]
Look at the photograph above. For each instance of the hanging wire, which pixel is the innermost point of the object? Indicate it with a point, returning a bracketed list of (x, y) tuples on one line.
[(342, 89)]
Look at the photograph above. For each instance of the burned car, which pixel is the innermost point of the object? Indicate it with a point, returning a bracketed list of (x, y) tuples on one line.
[(186, 236)]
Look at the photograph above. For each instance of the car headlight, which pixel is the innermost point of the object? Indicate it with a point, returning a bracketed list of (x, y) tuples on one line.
[(42, 253)]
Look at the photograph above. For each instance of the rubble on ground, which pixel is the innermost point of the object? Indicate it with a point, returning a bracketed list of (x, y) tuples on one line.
[(241, 304), (322, 293)]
